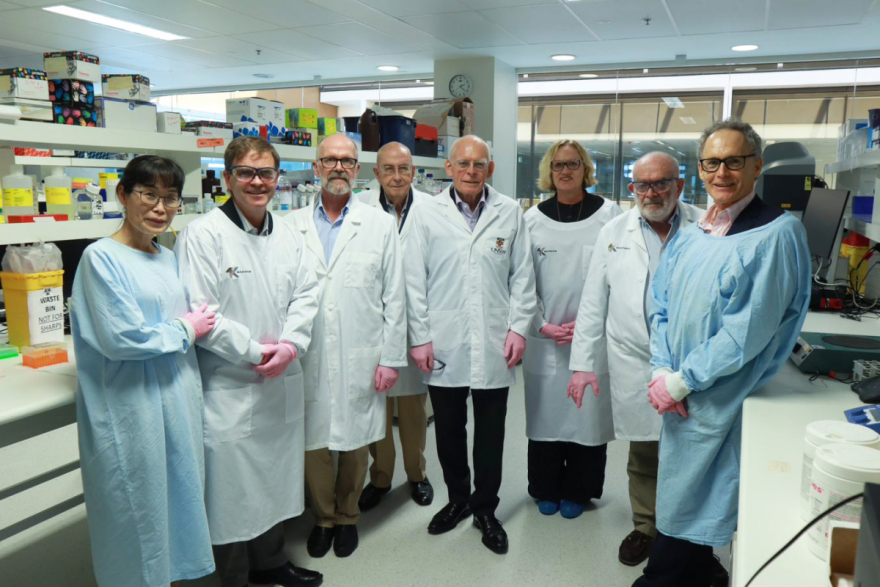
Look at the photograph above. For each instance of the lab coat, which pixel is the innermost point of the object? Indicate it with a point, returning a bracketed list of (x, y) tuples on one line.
[(263, 291), (611, 322), (412, 381), (466, 290), (561, 254), (361, 324)]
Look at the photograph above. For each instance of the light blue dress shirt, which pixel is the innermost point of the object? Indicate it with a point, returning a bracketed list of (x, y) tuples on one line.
[(328, 231), (655, 249)]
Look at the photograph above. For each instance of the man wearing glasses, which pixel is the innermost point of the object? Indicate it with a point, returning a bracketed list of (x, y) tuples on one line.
[(729, 299), (396, 196), (253, 272), (359, 341), (471, 295), (613, 318)]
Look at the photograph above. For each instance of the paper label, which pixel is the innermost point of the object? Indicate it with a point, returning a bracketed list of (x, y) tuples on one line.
[(5, 84), (18, 197), (46, 315), (58, 196), (200, 143), (121, 84), (221, 199), (55, 66)]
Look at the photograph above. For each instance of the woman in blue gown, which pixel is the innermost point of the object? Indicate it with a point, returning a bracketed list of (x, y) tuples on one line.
[(139, 395)]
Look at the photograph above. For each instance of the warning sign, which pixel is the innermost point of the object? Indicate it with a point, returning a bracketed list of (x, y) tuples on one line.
[(46, 315)]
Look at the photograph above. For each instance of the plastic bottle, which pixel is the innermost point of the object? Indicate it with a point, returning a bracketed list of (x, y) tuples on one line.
[(94, 192), (18, 193), (284, 192), (429, 184), (209, 182), (302, 197), (419, 180), (59, 193)]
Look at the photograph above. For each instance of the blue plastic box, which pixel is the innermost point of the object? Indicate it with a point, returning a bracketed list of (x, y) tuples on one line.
[(397, 129)]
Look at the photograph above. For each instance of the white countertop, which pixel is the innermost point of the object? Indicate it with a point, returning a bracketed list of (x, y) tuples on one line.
[(25, 392), (774, 420)]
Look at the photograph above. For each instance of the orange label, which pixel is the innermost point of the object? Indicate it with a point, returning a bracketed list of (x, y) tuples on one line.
[(200, 143)]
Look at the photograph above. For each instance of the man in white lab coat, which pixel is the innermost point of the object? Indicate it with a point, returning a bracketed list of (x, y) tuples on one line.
[(470, 298), (359, 341), (253, 272), (613, 315), (395, 172)]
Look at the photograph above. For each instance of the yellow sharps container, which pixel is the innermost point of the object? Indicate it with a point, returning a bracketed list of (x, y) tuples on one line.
[(34, 293)]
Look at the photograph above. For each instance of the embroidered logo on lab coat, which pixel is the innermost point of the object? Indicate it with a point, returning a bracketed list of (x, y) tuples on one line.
[(235, 272), (613, 249), (500, 247), (542, 251)]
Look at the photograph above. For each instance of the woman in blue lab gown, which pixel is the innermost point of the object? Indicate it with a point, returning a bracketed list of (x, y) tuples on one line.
[(139, 395)]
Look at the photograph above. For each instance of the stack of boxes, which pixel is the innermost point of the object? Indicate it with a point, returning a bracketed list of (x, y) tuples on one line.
[(305, 122), (28, 89), (256, 117), (210, 129), (72, 76), (125, 103)]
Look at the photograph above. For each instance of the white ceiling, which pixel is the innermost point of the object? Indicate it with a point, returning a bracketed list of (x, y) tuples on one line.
[(297, 40)]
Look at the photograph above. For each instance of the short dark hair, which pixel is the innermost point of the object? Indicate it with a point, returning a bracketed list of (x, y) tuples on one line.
[(152, 170), (241, 146)]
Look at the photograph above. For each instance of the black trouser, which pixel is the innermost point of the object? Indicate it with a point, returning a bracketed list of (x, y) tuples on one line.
[(450, 425), (566, 470), (262, 553), (674, 562)]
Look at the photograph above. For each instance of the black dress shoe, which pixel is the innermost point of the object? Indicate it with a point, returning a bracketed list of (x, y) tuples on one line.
[(345, 540), (448, 518), (494, 536), (371, 496), (320, 541), (422, 492), (720, 576), (287, 576)]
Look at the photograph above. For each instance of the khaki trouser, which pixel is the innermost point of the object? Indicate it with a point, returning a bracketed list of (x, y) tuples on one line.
[(642, 471), (335, 499), (412, 422)]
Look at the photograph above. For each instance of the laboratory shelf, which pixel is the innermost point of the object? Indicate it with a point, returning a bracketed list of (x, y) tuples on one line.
[(72, 162), (32, 232), (867, 229), (867, 160)]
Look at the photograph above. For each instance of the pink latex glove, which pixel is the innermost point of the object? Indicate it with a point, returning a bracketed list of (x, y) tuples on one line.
[(276, 359), (560, 334), (423, 356), (577, 386), (202, 321), (514, 348), (659, 397), (385, 378)]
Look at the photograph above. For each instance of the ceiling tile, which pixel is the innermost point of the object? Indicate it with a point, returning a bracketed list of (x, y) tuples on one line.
[(239, 49), (200, 15), (469, 29), (32, 3), (624, 18), (698, 17), (140, 62), (400, 8), (540, 24), (56, 24), (286, 13), (188, 55), (359, 38), (15, 31), (8, 6), (791, 14), (138, 17), (492, 4), (296, 43)]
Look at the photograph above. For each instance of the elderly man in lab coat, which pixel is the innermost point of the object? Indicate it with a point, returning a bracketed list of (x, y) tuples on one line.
[(394, 170), (251, 375), (359, 341), (613, 318), (470, 288)]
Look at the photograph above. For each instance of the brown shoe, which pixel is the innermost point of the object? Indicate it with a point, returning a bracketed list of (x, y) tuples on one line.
[(635, 548)]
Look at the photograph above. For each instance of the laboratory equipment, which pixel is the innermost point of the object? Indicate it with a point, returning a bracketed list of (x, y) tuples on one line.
[(867, 562), (58, 193), (18, 193), (44, 355), (867, 416), (822, 219), (8, 351), (94, 192), (284, 192), (787, 177), (868, 390), (821, 353)]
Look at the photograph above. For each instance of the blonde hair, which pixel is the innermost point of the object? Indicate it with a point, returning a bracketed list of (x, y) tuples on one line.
[(545, 177)]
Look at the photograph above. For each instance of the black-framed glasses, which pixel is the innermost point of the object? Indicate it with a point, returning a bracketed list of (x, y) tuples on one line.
[(479, 165), (573, 164), (330, 162), (734, 163), (391, 170), (660, 186), (248, 173), (441, 364), (151, 199)]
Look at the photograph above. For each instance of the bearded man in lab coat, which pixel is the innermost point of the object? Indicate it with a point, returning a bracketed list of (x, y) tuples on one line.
[(470, 286), (613, 318), (253, 272), (359, 341)]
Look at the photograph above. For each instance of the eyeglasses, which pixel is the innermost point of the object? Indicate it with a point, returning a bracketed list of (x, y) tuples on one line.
[(151, 199), (733, 163), (661, 186), (391, 170), (248, 173), (438, 365), (330, 162), (573, 164), (464, 165)]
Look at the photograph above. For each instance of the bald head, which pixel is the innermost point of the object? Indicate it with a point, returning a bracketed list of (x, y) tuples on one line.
[(335, 142), (393, 149), (661, 160), (473, 142), (394, 170)]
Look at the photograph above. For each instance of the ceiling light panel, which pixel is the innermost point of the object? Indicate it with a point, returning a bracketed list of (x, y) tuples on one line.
[(123, 25)]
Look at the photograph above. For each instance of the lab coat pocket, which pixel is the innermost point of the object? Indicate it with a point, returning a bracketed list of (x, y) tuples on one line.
[(540, 357), (588, 256), (361, 269), (445, 331), (498, 245), (498, 326), (294, 406), (361, 372), (228, 414)]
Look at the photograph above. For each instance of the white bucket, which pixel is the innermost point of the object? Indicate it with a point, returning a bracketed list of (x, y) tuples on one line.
[(839, 471), (829, 432)]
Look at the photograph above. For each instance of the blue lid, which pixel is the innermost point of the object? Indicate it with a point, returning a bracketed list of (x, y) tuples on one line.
[(112, 215)]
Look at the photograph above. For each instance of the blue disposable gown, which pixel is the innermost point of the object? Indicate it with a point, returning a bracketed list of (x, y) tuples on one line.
[(139, 416), (727, 312)]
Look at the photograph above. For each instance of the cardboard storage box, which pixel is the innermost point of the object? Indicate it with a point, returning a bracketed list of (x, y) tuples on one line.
[(302, 118), (40, 110), (72, 65), (435, 113), (327, 126), (126, 87), (250, 129), (23, 82), (451, 127), (211, 129), (255, 110), (71, 92), (125, 115), (168, 122), (446, 141), (277, 114), (75, 115)]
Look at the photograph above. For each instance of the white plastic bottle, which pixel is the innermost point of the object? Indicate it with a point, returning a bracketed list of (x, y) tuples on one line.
[(419, 181), (429, 184), (58, 193), (284, 192), (94, 191), (302, 196), (18, 193)]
